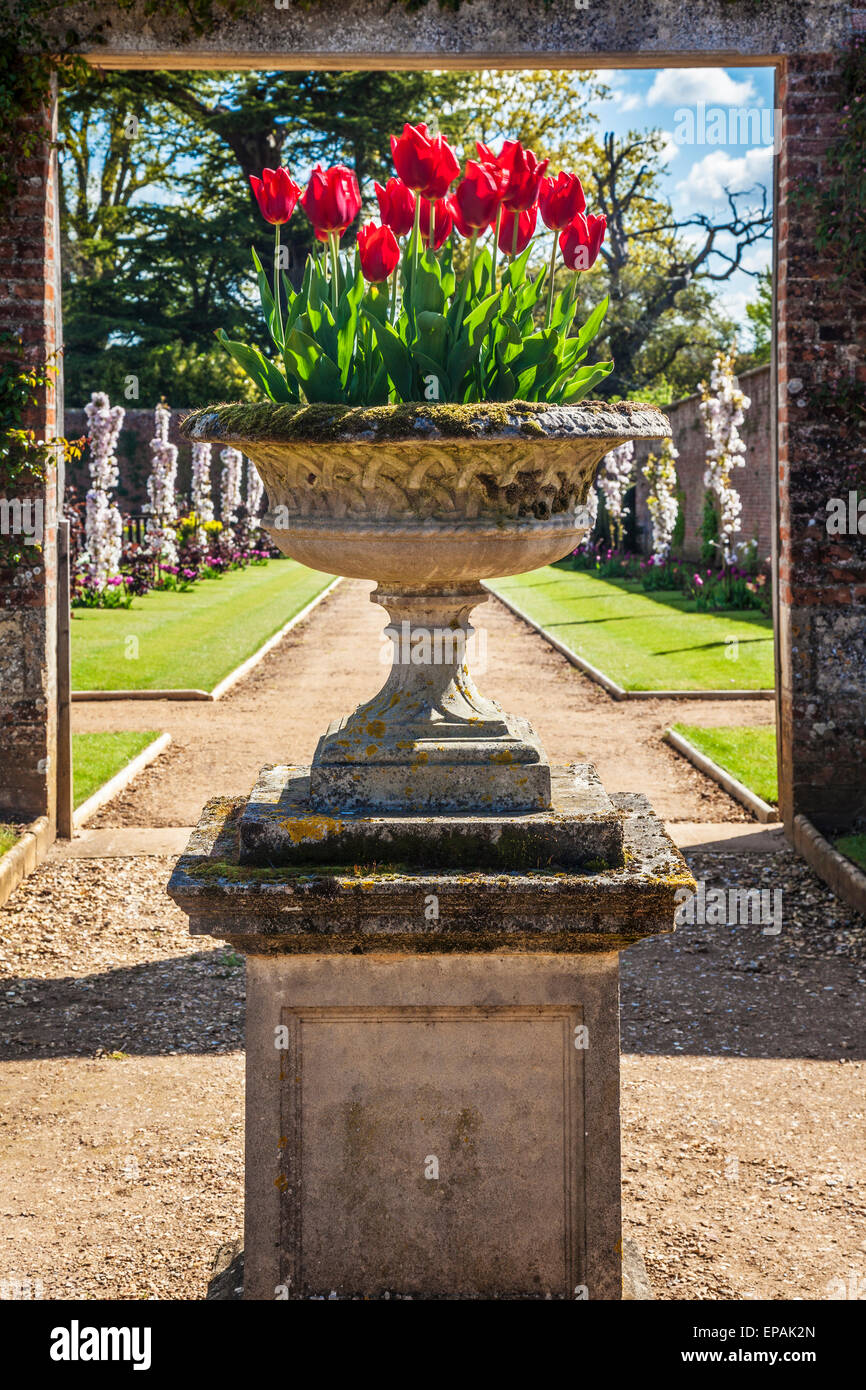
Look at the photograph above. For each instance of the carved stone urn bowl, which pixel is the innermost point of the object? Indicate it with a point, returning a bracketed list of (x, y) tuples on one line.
[(428, 500)]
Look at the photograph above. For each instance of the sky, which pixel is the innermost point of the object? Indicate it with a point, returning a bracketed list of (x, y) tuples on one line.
[(736, 149)]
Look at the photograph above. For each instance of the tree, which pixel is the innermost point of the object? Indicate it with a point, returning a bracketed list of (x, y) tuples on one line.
[(158, 216), (661, 271), (759, 312)]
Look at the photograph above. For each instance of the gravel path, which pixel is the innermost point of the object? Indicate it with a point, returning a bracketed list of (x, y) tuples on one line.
[(121, 1136), (121, 1139), (331, 662)]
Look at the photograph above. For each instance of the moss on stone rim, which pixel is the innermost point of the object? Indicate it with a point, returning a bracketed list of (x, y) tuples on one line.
[(267, 421)]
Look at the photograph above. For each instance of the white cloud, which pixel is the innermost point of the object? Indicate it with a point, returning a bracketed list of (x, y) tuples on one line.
[(671, 147), (710, 176), (687, 86)]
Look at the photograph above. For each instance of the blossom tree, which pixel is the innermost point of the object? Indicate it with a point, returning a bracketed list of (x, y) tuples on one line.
[(162, 506), (661, 474), (723, 409), (103, 532), (615, 478), (201, 499), (230, 493)]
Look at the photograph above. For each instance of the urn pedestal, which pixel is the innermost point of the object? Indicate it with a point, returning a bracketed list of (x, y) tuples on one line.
[(431, 913), (432, 1105)]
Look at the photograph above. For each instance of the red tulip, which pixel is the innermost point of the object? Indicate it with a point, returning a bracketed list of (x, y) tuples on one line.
[(463, 227), (276, 194), (396, 206), (560, 200), (525, 228), (581, 241), (476, 199), (443, 221), (521, 171), (332, 198), (426, 166), (379, 252)]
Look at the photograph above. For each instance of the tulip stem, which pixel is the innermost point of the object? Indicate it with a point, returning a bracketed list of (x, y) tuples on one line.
[(279, 315), (392, 316), (416, 237), (335, 264), (551, 272), (466, 279), (515, 233), (496, 244)]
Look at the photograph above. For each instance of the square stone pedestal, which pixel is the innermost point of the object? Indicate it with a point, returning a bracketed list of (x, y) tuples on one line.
[(432, 1104)]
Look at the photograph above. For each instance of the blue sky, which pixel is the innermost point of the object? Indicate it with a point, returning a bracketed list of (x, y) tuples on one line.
[(696, 174)]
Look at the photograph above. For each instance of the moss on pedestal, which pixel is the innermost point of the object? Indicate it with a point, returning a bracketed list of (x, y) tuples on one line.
[(265, 420)]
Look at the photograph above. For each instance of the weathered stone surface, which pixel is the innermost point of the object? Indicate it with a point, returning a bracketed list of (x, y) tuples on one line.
[(325, 908), (432, 1127), (821, 327), (581, 830), (429, 493), (428, 499), (481, 33)]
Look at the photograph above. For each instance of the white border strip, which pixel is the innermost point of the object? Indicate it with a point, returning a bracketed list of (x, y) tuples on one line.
[(611, 686), (760, 809), (120, 781), (24, 856), (246, 666)]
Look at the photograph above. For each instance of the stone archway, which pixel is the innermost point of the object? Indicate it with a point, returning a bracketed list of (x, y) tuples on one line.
[(820, 635)]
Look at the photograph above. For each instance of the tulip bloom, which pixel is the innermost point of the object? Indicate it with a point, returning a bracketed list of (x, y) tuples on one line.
[(525, 224), (475, 201), (396, 206), (379, 252), (521, 172), (463, 227), (443, 221), (276, 194), (332, 199), (560, 200), (427, 166), (581, 241)]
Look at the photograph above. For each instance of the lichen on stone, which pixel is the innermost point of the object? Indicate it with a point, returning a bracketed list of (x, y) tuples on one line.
[(267, 421)]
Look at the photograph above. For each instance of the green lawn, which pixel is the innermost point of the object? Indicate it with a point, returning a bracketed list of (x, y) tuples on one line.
[(175, 641), (646, 641), (96, 758), (8, 837), (854, 848), (749, 754)]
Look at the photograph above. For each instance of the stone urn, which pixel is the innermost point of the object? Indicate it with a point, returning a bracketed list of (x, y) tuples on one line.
[(428, 500)]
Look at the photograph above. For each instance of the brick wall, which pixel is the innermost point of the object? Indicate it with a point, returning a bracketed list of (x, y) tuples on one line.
[(754, 482), (28, 593), (821, 329)]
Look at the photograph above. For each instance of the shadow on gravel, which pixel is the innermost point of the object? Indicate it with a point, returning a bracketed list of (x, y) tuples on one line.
[(179, 1004), (738, 992), (706, 990)]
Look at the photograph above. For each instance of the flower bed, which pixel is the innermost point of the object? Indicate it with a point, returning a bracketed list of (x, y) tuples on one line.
[(713, 590)]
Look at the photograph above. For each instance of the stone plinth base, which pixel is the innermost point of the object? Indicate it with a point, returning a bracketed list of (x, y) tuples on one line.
[(424, 1131), (581, 829), (432, 1065)]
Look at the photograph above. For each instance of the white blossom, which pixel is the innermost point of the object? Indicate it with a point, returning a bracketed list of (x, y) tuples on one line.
[(661, 474), (615, 478), (230, 493), (103, 531), (723, 410), (162, 507), (201, 499)]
